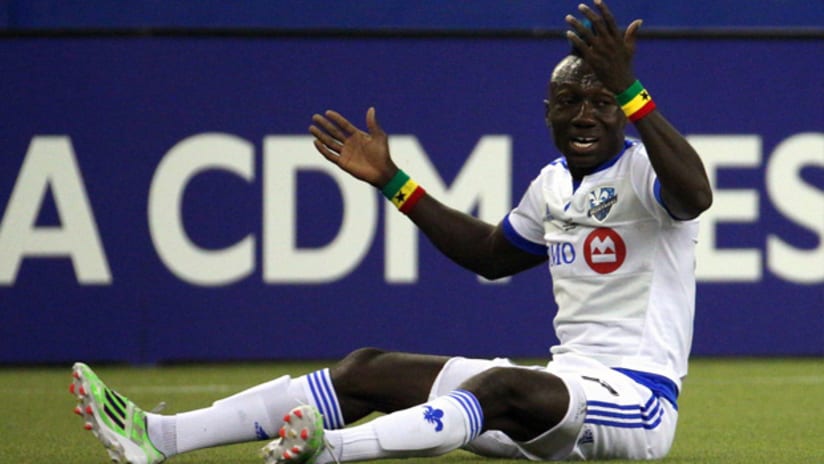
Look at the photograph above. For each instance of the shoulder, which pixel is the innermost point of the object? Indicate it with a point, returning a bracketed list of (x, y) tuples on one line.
[(556, 165), (635, 151), (553, 170)]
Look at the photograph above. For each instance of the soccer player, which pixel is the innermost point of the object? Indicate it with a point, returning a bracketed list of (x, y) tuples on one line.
[(614, 218)]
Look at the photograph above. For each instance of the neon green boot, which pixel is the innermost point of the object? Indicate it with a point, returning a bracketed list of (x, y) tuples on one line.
[(114, 420)]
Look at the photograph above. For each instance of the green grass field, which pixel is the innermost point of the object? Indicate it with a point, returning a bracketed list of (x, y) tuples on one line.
[(732, 410)]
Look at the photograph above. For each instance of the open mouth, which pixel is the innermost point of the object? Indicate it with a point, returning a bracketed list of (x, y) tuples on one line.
[(582, 143)]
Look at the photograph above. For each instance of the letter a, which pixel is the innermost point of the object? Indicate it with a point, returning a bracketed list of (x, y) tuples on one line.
[(50, 162)]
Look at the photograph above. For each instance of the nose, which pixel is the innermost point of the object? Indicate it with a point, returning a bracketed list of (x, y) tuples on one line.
[(585, 114)]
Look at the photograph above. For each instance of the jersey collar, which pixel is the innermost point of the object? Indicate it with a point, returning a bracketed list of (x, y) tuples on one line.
[(603, 166)]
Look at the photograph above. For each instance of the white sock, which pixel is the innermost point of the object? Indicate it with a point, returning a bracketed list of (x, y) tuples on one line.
[(431, 429), (253, 414), (318, 388)]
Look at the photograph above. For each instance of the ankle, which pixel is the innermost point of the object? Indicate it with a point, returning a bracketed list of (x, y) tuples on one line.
[(162, 431)]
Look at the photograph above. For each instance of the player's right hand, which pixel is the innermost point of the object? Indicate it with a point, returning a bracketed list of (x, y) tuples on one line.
[(363, 155)]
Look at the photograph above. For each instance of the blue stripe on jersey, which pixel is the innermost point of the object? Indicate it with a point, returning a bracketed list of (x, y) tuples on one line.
[(325, 399), (660, 385), (575, 184), (514, 238), (601, 167), (656, 189), (610, 162), (473, 411)]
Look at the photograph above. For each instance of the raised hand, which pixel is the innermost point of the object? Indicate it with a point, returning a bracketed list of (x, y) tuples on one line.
[(604, 47), (361, 154)]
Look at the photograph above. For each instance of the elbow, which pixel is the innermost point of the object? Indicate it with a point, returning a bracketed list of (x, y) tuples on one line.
[(689, 204), (492, 274), (494, 269), (699, 203), (707, 201), (489, 269), (702, 202)]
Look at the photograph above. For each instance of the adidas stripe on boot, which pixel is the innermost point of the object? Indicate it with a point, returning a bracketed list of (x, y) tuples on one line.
[(114, 420)]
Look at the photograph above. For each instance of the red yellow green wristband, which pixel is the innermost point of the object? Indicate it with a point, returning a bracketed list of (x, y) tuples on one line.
[(403, 192), (635, 101)]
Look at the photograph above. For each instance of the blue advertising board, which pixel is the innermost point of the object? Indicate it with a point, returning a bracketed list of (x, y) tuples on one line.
[(385, 15), (161, 199)]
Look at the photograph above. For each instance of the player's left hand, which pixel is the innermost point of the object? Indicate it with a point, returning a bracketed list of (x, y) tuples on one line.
[(604, 47)]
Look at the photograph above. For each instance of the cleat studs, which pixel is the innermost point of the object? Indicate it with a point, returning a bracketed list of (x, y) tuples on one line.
[(76, 374), (298, 413), (296, 449), (89, 410), (304, 434), (282, 432), (287, 418), (286, 455), (82, 391), (78, 411), (71, 389), (88, 426)]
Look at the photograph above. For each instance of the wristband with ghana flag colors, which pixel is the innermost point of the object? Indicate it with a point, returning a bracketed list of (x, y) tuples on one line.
[(635, 101), (403, 192)]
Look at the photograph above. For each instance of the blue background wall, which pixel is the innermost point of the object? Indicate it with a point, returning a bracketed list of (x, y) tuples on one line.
[(124, 102), (399, 14)]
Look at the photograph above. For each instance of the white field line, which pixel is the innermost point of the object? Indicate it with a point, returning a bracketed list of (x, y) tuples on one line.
[(129, 390), (194, 388)]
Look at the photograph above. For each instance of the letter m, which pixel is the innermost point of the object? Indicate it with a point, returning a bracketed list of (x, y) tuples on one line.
[(482, 187)]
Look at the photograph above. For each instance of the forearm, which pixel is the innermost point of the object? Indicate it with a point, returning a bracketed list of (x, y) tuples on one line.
[(468, 241), (461, 237), (684, 184)]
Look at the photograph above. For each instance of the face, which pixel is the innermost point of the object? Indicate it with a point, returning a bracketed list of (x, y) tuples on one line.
[(586, 122)]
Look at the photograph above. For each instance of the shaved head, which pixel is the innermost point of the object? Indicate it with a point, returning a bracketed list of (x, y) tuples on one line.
[(573, 69)]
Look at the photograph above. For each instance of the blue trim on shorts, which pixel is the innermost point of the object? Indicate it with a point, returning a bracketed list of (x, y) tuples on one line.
[(625, 416), (519, 242), (660, 385)]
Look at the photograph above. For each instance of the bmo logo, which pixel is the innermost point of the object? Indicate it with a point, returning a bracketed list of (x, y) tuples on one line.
[(604, 250)]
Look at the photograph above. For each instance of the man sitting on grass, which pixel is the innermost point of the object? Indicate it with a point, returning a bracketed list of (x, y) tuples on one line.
[(625, 302)]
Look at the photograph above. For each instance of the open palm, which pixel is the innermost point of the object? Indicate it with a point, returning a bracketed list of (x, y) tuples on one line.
[(364, 155)]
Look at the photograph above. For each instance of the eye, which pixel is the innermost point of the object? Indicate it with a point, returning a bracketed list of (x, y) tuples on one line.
[(604, 102), (567, 100)]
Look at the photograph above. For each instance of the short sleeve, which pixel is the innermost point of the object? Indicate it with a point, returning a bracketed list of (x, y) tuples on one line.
[(523, 226)]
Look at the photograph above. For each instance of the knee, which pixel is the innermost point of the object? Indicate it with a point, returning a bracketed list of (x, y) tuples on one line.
[(494, 383), (360, 357), (355, 366), (521, 402), (516, 384)]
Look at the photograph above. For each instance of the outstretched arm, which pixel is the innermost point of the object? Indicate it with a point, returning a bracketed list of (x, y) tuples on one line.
[(470, 242), (685, 188)]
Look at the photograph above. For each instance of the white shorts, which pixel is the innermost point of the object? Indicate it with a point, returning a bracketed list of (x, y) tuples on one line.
[(610, 416)]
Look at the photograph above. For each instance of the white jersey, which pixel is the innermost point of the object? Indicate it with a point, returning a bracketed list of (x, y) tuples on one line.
[(622, 267)]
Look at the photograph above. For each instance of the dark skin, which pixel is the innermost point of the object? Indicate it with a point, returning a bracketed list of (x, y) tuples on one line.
[(685, 187), (587, 126)]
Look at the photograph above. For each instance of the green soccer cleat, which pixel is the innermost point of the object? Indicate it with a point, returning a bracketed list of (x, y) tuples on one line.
[(117, 422), (301, 438)]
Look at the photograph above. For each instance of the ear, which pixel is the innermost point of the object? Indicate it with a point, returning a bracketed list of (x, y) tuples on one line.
[(546, 113)]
